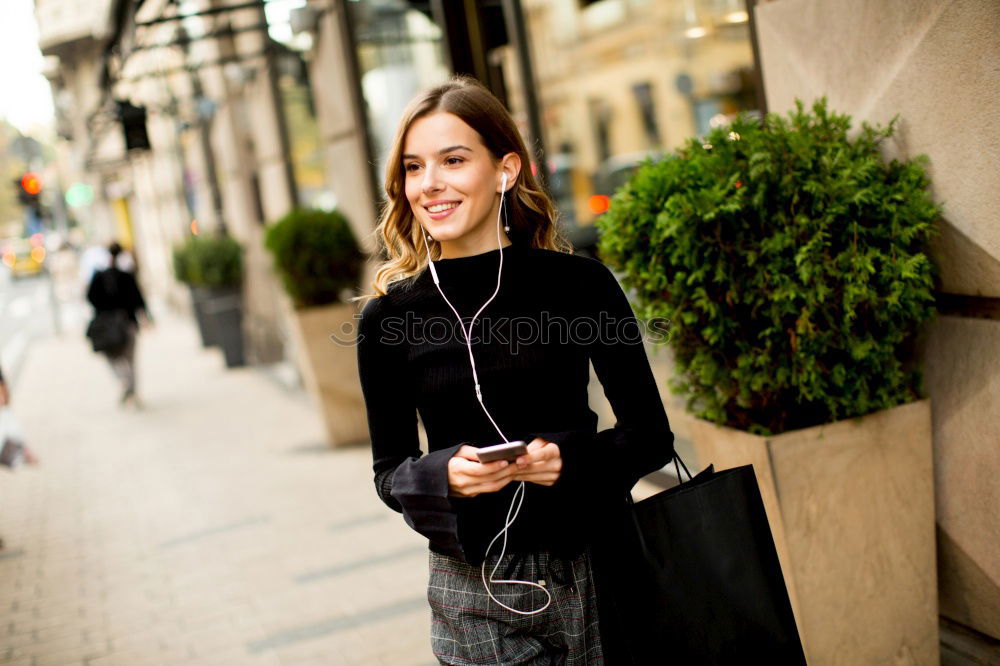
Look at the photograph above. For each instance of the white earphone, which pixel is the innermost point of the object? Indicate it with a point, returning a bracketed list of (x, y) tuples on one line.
[(518, 497)]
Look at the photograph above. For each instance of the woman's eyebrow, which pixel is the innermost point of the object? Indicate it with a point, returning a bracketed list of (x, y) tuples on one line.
[(441, 152)]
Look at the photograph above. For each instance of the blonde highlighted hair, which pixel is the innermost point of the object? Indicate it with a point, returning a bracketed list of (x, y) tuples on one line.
[(530, 212)]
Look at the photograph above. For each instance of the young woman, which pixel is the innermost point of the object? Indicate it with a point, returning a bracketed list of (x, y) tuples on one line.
[(485, 324)]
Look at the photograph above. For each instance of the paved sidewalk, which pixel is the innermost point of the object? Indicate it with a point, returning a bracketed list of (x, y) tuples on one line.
[(213, 527)]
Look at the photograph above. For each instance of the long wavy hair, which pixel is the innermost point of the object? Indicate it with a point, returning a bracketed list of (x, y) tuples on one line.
[(530, 212)]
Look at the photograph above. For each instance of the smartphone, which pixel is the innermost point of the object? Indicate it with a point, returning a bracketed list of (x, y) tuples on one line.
[(507, 451)]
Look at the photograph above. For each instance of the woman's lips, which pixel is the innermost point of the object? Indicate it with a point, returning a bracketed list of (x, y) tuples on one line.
[(443, 214)]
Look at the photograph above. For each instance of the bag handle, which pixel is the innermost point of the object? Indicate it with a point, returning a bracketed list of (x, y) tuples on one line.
[(678, 464), (677, 459)]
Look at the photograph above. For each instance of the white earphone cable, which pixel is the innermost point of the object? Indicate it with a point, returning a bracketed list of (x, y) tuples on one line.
[(518, 497)]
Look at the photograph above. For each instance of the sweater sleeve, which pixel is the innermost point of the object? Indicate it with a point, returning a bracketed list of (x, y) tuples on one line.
[(641, 440), (409, 482)]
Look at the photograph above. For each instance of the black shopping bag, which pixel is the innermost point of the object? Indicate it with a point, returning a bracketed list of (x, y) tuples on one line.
[(108, 332), (691, 576)]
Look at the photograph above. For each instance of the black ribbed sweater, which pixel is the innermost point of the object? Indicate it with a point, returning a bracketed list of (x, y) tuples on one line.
[(554, 314)]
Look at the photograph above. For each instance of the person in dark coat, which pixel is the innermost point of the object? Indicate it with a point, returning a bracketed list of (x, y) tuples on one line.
[(114, 289)]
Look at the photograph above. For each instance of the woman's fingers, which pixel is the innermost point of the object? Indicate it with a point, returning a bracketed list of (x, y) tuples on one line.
[(542, 464), (476, 468), (542, 479), (548, 454), (467, 452), (468, 477)]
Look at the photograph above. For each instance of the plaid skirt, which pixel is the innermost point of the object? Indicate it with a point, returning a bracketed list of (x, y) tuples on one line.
[(468, 628)]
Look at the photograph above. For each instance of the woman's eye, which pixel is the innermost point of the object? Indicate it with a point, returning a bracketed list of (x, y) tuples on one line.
[(453, 160), (409, 167)]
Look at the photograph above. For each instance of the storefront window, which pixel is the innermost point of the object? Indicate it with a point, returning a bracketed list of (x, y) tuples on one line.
[(622, 80), (305, 145), (400, 52)]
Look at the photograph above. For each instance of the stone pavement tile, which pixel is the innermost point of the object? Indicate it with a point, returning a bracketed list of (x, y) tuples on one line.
[(53, 656), (236, 656), (171, 657), (10, 654), (212, 527)]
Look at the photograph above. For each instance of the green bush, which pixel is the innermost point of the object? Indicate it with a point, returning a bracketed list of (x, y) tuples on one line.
[(316, 254), (209, 261), (180, 260), (791, 263)]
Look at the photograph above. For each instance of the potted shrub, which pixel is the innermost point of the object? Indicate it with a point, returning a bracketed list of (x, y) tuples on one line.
[(212, 266), (181, 261), (320, 264), (791, 262)]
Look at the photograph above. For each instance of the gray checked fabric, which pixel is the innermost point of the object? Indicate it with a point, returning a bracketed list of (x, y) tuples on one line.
[(468, 628)]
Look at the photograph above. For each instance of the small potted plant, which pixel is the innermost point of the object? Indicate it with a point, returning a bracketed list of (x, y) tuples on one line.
[(182, 272), (791, 262), (320, 263), (212, 266)]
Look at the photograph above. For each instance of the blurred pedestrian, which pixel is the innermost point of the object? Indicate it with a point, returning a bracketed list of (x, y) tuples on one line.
[(13, 451), (114, 290)]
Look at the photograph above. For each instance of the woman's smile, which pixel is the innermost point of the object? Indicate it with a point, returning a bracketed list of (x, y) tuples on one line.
[(439, 211)]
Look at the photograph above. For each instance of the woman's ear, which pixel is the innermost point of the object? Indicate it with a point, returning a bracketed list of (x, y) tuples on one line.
[(511, 166)]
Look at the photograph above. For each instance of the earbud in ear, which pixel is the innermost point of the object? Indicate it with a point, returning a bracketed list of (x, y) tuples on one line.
[(503, 190)]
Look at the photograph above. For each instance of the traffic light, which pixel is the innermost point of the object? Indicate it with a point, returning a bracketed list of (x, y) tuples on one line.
[(29, 187)]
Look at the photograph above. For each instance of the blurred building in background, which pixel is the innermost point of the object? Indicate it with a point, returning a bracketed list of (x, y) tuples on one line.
[(253, 107), (172, 114), (617, 82), (72, 36)]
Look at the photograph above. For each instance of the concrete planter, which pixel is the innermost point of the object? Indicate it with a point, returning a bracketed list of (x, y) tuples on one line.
[(198, 297), (222, 311), (851, 507), (329, 367)]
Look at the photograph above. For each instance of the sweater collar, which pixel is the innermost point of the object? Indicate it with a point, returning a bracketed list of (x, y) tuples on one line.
[(477, 263)]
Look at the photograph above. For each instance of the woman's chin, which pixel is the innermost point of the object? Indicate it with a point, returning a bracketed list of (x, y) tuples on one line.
[(445, 234)]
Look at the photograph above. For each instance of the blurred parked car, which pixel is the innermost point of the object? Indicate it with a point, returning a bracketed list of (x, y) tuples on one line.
[(23, 256), (615, 172)]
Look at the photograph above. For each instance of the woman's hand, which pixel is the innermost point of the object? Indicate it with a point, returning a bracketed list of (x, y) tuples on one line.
[(467, 477), (542, 464)]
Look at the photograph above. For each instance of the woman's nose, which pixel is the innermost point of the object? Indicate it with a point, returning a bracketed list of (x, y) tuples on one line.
[(431, 181)]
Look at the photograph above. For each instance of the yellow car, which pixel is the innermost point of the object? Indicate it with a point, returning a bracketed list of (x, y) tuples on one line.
[(23, 256)]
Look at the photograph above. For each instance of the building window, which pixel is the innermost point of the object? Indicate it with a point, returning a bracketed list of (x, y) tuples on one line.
[(400, 52), (620, 81)]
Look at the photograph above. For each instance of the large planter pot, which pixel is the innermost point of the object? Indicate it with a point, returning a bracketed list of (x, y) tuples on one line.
[(329, 367), (851, 507), (222, 308), (198, 297)]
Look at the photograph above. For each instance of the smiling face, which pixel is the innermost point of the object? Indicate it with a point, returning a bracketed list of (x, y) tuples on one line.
[(453, 184)]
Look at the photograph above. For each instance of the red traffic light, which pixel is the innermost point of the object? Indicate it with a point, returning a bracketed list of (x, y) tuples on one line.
[(30, 183), (599, 203)]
